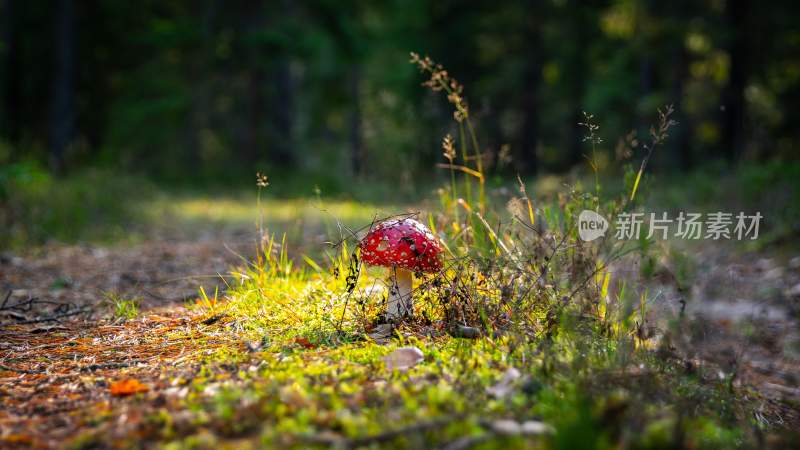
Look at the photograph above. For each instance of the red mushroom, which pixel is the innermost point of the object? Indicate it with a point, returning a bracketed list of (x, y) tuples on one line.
[(406, 247)]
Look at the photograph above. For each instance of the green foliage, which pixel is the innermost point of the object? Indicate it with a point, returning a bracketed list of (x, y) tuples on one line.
[(36, 207), (102, 206), (768, 188), (198, 93)]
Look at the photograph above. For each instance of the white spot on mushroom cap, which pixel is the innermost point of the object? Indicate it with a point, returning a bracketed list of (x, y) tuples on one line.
[(392, 235)]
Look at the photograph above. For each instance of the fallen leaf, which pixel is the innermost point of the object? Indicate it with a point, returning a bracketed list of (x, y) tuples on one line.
[(506, 384), (212, 320), (403, 358), (17, 439), (304, 342), (128, 386)]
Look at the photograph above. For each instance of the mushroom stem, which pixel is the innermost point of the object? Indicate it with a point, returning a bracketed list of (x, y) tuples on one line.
[(400, 301)]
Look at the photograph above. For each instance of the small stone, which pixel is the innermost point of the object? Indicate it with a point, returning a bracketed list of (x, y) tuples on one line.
[(403, 358), (506, 427), (466, 332), (764, 264), (382, 333), (774, 273), (794, 291), (535, 427), (505, 386)]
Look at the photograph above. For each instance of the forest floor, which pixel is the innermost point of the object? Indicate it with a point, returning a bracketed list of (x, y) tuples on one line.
[(113, 345)]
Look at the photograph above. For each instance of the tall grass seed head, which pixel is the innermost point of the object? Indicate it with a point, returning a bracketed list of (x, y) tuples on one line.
[(261, 180)]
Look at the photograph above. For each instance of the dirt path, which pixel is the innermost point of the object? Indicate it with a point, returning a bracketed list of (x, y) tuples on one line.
[(741, 316), (155, 272), (58, 384), (57, 377)]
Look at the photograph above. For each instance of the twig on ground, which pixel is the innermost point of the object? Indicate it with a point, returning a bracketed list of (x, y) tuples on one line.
[(93, 367), (54, 318), (5, 300), (25, 371)]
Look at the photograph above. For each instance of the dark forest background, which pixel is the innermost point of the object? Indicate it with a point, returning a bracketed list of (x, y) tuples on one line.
[(215, 89)]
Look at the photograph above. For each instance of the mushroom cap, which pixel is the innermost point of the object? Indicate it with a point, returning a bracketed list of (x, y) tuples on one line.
[(404, 243)]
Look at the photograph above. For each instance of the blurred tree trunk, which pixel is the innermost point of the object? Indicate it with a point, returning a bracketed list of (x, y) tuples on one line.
[(733, 105), (532, 78), (255, 114), (253, 20), (645, 76), (681, 142), (11, 79), (356, 138), (575, 117), (284, 114), (62, 114), (270, 111), (576, 78), (646, 83), (284, 80)]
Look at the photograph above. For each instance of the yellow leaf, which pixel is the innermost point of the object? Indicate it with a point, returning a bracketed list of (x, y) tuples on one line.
[(311, 263), (604, 289), (530, 212), (636, 183), (465, 169)]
